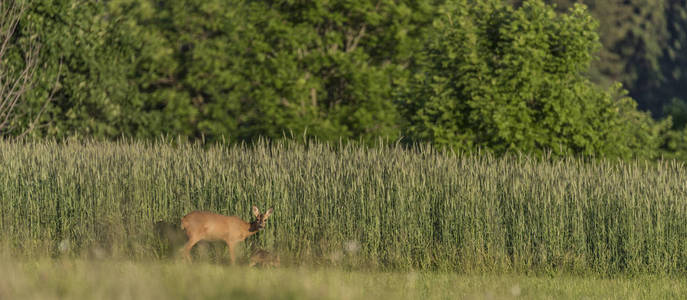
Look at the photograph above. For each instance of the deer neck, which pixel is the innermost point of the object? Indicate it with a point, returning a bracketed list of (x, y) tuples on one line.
[(253, 228), (247, 229)]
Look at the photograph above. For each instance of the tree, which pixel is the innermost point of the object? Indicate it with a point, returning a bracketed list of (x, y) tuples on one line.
[(512, 79), (240, 69), (16, 80), (85, 49), (673, 63), (633, 34)]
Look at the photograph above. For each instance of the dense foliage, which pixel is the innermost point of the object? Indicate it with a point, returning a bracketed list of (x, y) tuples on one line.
[(642, 45), (511, 79), (247, 69), (462, 74)]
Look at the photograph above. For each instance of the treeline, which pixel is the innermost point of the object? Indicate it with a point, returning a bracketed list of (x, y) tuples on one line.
[(463, 74)]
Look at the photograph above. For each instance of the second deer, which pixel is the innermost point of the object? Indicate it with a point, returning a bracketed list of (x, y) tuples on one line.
[(263, 258), (207, 226)]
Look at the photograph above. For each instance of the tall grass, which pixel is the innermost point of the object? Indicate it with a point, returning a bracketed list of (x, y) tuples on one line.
[(385, 207)]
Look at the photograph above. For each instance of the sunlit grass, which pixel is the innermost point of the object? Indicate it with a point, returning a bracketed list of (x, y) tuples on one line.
[(401, 209), (82, 279)]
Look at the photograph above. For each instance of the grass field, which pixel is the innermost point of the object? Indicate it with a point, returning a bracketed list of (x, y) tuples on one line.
[(79, 279), (385, 208), (369, 217)]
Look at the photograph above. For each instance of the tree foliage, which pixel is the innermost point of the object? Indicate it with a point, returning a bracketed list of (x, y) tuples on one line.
[(465, 74), (244, 69), (16, 117), (81, 48), (505, 79)]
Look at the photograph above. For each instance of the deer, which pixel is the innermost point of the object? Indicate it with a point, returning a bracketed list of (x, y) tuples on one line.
[(264, 258), (169, 237), (208, 226)]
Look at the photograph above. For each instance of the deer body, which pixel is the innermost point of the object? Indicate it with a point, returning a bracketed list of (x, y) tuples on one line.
[(208, 226)]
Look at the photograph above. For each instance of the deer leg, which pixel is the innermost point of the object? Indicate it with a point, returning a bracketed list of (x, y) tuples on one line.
[(230, 245), (187, 248)]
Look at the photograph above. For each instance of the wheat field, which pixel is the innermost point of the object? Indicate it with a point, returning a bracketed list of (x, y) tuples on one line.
[(387, 208)]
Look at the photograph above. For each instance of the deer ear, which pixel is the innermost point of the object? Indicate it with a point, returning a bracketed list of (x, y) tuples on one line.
[(256, 211), (268, 213)]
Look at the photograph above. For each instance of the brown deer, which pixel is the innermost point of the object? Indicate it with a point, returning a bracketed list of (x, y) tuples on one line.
[(207, 226), (264, 258), (169, 237)]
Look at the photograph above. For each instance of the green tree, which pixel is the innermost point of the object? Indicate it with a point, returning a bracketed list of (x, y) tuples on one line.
[(505, 79), (244, 69), (633, 34), (673, 65), (81, 45), (18, 63), (209, 69)]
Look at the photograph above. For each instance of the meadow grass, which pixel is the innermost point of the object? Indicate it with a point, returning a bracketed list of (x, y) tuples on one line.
[(342, 205), (90, 279)]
